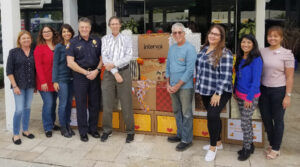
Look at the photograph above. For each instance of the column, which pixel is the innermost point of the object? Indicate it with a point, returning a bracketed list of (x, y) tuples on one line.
[(70, 11), (110, 11), (11, 26), (260, 22)]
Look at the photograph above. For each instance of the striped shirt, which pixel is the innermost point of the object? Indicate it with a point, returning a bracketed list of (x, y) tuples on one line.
[(116, 50), (210, 80)]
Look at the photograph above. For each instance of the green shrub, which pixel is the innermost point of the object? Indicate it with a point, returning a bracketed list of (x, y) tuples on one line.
[(1, 77)]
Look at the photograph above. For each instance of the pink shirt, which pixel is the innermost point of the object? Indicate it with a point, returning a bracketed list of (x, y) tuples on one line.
[(243, 96), (275, 61)]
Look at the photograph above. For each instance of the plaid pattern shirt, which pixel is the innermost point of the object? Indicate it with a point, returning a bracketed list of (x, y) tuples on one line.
[(210, 80)]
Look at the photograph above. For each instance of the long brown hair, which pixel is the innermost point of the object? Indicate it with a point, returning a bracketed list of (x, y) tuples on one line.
[(217, 54), (41, 40), (69, 28), (20, 35)]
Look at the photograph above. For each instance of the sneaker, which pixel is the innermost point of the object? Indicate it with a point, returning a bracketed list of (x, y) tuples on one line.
[(183, 146), (105, 136), (129, 138), (206, 147), (211, 155), (174, 139)]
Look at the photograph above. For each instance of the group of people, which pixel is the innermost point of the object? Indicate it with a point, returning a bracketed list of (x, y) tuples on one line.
[(264, 78), (64, 66)]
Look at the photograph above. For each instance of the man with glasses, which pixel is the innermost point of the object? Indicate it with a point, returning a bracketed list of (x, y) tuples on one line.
[(84, 58), (179, 73), (116, 53)]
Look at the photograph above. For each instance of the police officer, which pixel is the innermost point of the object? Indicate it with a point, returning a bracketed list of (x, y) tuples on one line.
[(84, 58)]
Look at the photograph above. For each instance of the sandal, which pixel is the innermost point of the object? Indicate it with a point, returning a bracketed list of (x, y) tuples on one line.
[(268, 150), (273, 154)]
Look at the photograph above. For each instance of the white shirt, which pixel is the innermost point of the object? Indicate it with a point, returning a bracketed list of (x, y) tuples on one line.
[(116, 50)]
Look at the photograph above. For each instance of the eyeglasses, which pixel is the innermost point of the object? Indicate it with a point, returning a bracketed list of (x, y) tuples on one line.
[(214, 34), (177, 32), (46, 32)]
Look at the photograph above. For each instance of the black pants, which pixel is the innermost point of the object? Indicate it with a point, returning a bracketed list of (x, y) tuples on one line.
[(87, 91), (272, 113), (214, 122)]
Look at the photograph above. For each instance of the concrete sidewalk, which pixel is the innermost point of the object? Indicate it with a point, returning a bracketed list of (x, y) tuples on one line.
[(145, 151)]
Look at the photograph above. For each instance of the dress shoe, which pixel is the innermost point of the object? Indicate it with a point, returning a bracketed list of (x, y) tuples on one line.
[(105, 136), (183, 146), (29, 136), (84, 138), (94, 134), (17, 142), (129, 138), (48, 133), (174, 139), (56, 127), (64, 132), (70, 130), (251, 149)]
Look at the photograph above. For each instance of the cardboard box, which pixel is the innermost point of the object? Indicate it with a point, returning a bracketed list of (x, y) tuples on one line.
[(144, 122), (116, 120), (165, 123), (234, 133), (144, 95), (163, 98), (134, 70), (153, 70), (235, 113), (153, 45)]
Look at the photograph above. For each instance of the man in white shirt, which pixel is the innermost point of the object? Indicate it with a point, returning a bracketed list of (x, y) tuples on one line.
[(116, 53)]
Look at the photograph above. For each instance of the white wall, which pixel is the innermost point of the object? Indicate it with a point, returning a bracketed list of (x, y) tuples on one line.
[(70, 12)]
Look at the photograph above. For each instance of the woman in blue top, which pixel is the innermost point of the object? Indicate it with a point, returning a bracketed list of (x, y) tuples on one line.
[(63, 81), (248, 69)]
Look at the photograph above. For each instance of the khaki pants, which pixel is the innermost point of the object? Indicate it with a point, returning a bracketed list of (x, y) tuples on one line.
[(110, 88)]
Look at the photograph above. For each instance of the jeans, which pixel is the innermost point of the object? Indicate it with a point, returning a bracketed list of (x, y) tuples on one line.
[(182, 107), (49, 106), (23, 105), (65, 95), (272, 113), (214, 123)]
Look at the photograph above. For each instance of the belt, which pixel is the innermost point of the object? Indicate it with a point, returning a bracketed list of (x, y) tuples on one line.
[(89, 68), (123, 68)]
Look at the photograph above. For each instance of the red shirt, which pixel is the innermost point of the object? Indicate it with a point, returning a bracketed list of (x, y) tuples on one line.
[(43, 57)]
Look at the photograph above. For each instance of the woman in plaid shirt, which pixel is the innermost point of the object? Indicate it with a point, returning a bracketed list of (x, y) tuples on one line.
[(214, 84)]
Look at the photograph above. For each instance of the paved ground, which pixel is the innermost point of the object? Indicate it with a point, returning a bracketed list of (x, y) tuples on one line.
[(144, 151)]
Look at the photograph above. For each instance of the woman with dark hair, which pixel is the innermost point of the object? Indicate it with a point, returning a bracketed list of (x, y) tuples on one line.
[(43, 56), (276, 89), (214, 84), (63, 80), (248, 69), (20, 71)]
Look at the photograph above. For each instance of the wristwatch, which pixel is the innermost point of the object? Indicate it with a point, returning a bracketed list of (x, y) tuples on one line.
[(99, 69), (289, 94)]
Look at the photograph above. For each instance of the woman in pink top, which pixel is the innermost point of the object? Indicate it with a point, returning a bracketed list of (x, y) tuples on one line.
[(277, 83)]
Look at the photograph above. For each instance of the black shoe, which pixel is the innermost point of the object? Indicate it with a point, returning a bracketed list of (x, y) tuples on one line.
[(174, 139), (251, 149), (56, 127), (64, 132), (48, 134), (105, 136), (84, 138), (17, 142), (245, 154), (183, 146), (70, 130), (129, 138), (30, 136), (94, 134)]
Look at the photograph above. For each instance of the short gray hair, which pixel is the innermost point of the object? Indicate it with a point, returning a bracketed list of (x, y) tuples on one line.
[(178, 25), (85, 20)]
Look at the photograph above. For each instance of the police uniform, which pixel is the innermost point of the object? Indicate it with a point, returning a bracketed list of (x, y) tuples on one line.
[(87, 55)]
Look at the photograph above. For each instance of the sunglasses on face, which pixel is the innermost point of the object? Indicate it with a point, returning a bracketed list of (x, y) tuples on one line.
[(177, 32)]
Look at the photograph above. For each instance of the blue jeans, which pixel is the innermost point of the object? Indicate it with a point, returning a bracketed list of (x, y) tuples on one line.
[(65, 95), (23, 105), (49, 106), (182, 107)]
